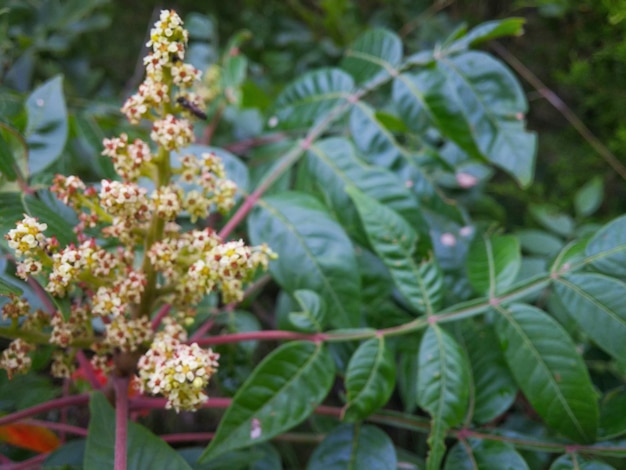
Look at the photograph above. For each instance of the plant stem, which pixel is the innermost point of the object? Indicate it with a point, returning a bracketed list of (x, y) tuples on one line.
[(121, 420), (75, 400)]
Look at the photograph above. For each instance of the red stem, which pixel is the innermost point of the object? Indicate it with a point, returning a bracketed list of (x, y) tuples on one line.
[(43, 407), (29, 464), (161, 314), (121, 421), (87, 369)]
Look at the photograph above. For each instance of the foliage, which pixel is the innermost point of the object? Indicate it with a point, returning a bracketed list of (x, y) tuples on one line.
[(398, 324)]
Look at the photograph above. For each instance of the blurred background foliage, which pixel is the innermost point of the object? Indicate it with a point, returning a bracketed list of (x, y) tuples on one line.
[(576, 47)]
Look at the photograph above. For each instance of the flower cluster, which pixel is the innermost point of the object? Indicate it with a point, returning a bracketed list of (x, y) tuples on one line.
[(176, 370), (131, 259)]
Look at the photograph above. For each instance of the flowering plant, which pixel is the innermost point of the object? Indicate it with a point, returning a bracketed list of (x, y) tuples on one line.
[(388, 297)]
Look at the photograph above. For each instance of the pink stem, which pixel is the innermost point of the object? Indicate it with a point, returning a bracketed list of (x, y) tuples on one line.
[(161, 314), (29, 464), (43, 407), (61, 427), (87, 368), (121, 421), (260, 335)]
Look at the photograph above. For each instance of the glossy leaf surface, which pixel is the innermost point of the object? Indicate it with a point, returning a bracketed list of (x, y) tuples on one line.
[(547, 367), (47, 127), (370, 379), (354, 447), (283, 390), (478, 454), (596, 302), (297, 227), (394, 241), (493, 263), (374, 53), (607, 248)]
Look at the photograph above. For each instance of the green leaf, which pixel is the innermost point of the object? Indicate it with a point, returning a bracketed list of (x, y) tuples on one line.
[(493, 263), (310, 97), (442, 387), (354, 447), (297, 227), (574, 462), (478, 104), (144, 449), (333, 164), (370, 379), (607, 249), (552, 219), (70, 456), (596, 302), (314, 315), (47, 127), (538, 242), (488, 31), (8, 165), (494, 389), (612, 416), (6, 289), (262, 456), (547, 367), (588, 199), (372, 138), (394, 241), (283, 390), (478, 454), (373, 55)]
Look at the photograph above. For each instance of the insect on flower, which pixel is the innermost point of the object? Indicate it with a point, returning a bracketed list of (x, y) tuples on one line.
[(192, 108)]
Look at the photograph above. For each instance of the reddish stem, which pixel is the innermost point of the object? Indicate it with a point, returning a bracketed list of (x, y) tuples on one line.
[(43, 407), (29, 464), (161, 314), (87, 369), (121, 421), (267, 335), (61, 427)]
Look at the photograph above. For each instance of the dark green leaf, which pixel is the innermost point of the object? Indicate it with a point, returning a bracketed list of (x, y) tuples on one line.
[(612, 415), (478, 104), (488, 31), (372, 138), (596, 302), (11, 211), (313, 316), (442, 387), (354, 447), (589, 198), (47, 127), (6, 288), (262, 456), (312, 96), (493, 263), (394, 241), (374, 54), (538, 242), (477, 454), (297, 227), (370, 379), (68, 457), (144, 449), (552, 219), (607, 249), (494, 389), (574, 462), (547, 367), (8, 165), (283, 390), (332, 165)]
